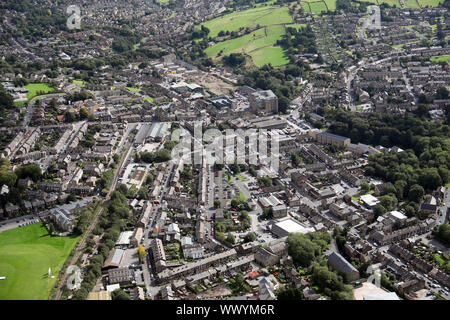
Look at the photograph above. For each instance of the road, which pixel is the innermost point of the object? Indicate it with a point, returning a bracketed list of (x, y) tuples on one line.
[(30, 108)]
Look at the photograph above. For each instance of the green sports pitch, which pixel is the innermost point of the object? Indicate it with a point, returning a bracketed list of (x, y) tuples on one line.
[(26, 254)]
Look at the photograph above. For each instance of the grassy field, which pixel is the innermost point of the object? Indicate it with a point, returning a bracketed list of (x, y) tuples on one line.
[(26, 254), (133, 89), (317, 7), (34, 88), (260, 45), (331, 4), (264, 16), (430, 3), (411, 4), (440, 59)]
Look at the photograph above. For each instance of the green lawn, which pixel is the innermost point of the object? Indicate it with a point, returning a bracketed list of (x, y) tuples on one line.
[(242, 197), (133, 89), (149, 99), (26, 254)]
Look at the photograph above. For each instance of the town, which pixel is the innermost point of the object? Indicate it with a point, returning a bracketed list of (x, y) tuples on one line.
[(327, 180)]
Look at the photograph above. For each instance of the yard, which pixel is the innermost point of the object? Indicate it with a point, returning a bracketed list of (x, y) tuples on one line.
[(26, 255)]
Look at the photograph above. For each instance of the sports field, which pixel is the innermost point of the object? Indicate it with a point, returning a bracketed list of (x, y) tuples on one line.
[(36, 88), (264, 16), (26, 253)]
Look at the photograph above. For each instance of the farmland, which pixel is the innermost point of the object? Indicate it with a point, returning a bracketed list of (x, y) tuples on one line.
[(263, 16), (26, 255), (259, 44)]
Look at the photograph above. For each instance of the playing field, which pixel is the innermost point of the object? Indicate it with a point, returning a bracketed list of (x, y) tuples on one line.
[(26, 253), (264, 16), (36, 88)]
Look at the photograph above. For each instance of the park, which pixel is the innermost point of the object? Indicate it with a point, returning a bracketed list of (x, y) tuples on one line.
[(26, 254)]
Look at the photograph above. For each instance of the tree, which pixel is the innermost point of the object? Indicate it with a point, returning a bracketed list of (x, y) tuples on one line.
[(249, 237), (416, 193), (302, 249), (119, 294), (290, 293), (84, 113), (216, 204), (378, 210), (365, 188), (142, 253), (230, 239)]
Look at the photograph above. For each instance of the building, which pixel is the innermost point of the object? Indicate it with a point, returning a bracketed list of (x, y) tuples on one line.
[(121, 276), (369, 200), (263, 102), (124, 239), (63, 219), (100, 295), (285, 227), (338, 262), (114, 259), (329, 138)]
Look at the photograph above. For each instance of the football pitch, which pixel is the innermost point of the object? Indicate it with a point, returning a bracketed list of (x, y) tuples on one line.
[(26, 254)]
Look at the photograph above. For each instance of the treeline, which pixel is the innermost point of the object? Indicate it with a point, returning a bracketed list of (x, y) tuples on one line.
[(9, 178), (158, 156), (111, 223), (301, 40), (279, 80), (33, 22), (306, 251), (425, 160)]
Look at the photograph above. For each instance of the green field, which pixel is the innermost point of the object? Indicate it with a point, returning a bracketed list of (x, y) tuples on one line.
[(133, 89), (331, 4), (26, 254), (260, 45), (440, 59), (264, 16), (34, 88), (430, 3), (317, 7), (411, 4)]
